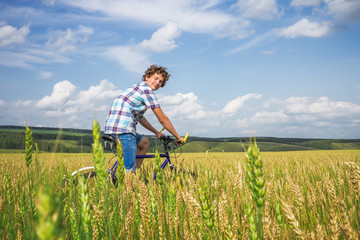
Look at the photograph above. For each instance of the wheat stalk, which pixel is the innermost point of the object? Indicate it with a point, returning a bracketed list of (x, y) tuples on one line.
[(85, 206), (292, 221), (346, 226), (50, 222), (334, 226)]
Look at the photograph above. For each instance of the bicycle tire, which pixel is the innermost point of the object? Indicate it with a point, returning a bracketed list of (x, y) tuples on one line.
[(89, 174)]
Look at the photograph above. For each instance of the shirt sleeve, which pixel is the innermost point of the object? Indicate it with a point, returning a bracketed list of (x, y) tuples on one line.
[(150, 99)]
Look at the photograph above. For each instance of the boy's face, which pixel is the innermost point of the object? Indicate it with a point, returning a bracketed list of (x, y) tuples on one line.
[(155, 81)]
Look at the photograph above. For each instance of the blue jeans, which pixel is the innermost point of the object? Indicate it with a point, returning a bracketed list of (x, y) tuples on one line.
[(129, 144)]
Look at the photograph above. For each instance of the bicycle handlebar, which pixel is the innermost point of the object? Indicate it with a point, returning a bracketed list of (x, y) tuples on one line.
[(170, 139), (185, 138), (167, 139), (182, 142)]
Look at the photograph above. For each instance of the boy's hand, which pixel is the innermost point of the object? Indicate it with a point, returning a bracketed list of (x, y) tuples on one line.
[(159, 135), (179, 141)]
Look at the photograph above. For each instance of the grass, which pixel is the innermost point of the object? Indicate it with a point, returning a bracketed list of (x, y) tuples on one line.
[(12, 151), (42, 131), (202, 146), (344, 146)]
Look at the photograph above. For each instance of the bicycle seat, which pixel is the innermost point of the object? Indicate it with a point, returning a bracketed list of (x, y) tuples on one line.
[(109, 139)]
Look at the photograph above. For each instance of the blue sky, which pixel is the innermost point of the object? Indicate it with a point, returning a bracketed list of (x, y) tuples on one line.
[(238, 68)]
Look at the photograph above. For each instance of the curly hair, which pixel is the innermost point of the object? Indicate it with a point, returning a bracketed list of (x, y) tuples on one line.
[(159, 70)]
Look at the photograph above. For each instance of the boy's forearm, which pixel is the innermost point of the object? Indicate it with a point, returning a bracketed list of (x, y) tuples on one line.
[(165, 121), (145, 123), (169, 127)]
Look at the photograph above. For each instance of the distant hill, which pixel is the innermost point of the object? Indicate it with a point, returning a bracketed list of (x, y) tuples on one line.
[(12, 139)]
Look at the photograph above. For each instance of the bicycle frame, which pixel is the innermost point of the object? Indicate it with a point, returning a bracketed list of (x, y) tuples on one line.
[(165, 155), (163, 165)]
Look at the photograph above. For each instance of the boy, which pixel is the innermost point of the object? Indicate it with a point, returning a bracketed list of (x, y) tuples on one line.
[(128, 109)]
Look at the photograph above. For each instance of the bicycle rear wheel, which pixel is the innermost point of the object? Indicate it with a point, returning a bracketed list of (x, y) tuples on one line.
[(89, 174)]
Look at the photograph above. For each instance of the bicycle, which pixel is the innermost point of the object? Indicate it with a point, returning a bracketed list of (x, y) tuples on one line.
[(89, 172)]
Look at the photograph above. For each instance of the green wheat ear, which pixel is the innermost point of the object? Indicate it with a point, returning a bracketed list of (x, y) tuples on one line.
[(98, 156), (28, 146), (158, 169), (99, 162), (206, 206), (255, 174), (50, 225), (256, 182), (253, 234), (121, 168)]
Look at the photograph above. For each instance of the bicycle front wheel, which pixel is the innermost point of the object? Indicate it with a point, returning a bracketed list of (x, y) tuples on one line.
[(89, 174)]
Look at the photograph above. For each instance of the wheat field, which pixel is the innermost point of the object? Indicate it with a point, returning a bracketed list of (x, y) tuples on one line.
[(280, 195)]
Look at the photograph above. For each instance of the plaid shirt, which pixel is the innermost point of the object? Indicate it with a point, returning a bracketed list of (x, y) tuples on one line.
[(129, 107)]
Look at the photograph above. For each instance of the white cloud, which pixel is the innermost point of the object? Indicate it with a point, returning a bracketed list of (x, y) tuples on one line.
[(187, 106), (129, 57), (188, 114), (258, 9), (310, 111), (302, 28), (135, 57), (26, 59), (321, 107), (305, 28), (305, 3), (66, 41), (66, 101), (191, 16), (49, 2), (2, 102), (163, 39), (87, 99), (59, 43), (255, 41), (25, 103), (268, 52), (67, 105), (270, 117), (234, 105), (62, 91), (12, 59), (302, 117), (11, 35), (325, 124), (183, 106), (45, 75), (344, 10)]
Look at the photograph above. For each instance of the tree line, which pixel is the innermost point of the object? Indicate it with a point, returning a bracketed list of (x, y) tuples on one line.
[(47, 142)]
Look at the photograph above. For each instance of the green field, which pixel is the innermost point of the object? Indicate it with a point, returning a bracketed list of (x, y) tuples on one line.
[(79, 140)]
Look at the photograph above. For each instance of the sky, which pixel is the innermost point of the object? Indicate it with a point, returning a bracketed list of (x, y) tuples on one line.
[(238, 68)]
